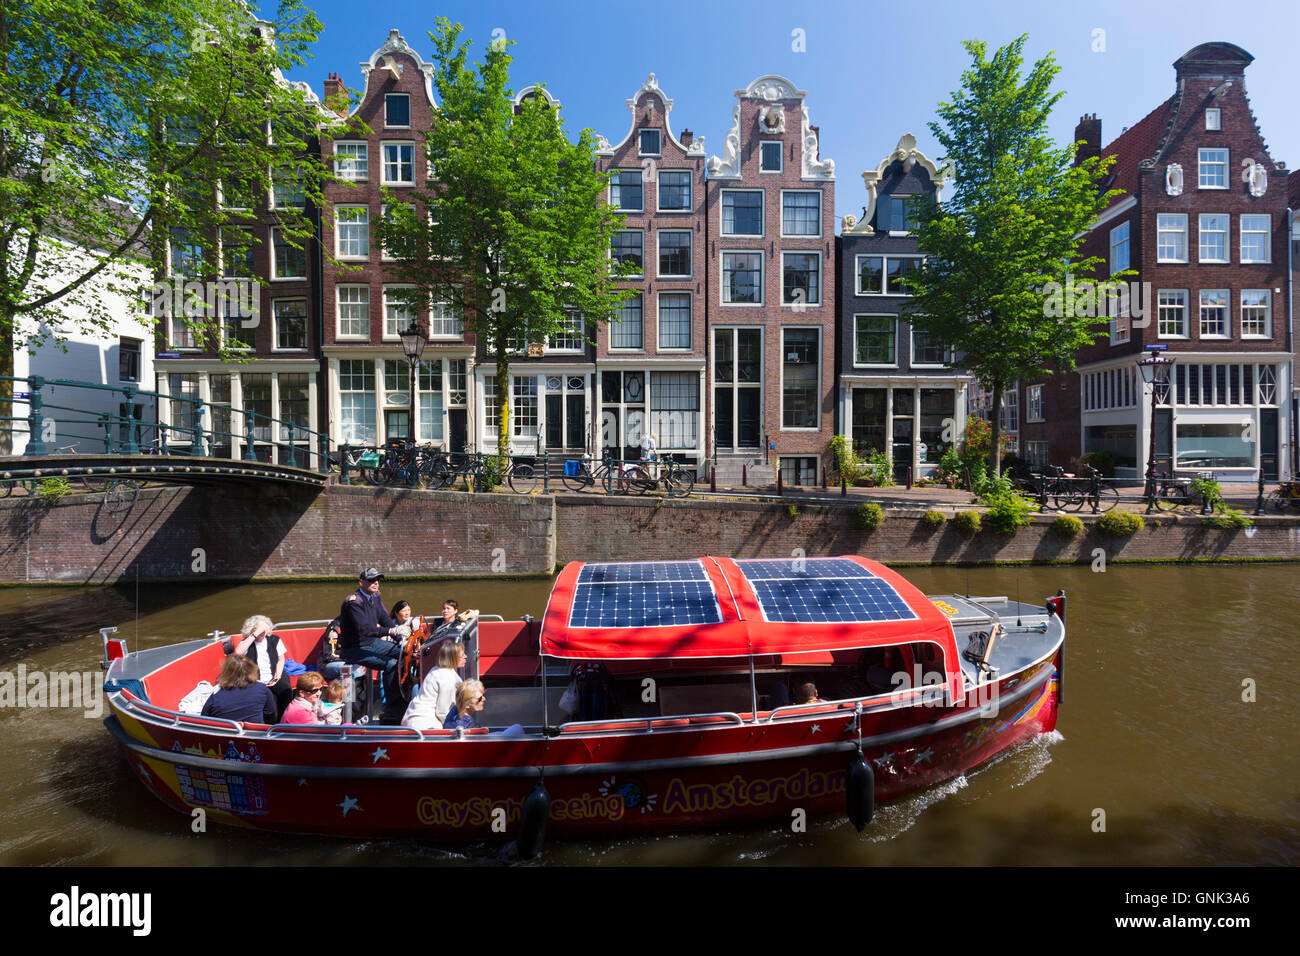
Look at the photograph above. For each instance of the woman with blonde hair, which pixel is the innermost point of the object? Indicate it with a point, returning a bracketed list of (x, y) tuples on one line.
[(240, 695), (470, 700), (264, 648), (437, 695)]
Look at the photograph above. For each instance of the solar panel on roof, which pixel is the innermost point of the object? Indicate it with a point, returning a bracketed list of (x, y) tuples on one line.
[(820, 600), (780, 569), (644, 604), (642, 571)]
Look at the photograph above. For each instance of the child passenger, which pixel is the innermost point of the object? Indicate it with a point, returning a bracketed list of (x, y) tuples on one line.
[(330, 708)]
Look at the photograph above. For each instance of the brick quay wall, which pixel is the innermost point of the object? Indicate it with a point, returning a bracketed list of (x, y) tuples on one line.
[(209, 533)]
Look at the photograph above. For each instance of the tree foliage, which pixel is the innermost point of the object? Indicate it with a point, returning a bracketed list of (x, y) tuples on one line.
[(120, 121), (1012, 226), (517, 234)]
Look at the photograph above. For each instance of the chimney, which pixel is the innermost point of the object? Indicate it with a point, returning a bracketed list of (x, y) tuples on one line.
[(333, 87), (1089, 131), (687, 137)]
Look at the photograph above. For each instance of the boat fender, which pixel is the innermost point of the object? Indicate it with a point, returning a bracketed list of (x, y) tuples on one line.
[(860, 793), (532, 822)]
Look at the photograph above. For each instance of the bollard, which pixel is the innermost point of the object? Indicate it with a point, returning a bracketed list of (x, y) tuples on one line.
[(779, 488), (546, 471), (248, 436), (343, 463), (713, 478), (128, 422), (35, 424), (909, 477), (844, 487), (823, 479), (744, 475), (1259, 495)]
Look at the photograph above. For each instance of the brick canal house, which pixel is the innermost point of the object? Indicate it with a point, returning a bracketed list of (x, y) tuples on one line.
[(898, 390), (652, 357), (367, 374), (771, 290), (279, 377), (1203, 221), (1293, 260)]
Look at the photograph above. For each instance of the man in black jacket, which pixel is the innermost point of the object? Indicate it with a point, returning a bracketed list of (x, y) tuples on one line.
[(369, 636)]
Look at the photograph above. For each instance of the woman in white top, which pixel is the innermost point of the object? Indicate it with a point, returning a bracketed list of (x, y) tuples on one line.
[(260, 645), (438, 690)]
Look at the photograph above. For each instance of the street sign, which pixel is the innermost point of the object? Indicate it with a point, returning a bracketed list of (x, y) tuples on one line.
[(22, 396), (1162, 347), (167, 355)]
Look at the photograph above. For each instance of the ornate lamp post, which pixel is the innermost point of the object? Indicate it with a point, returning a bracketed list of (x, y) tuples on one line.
[(1156, 371), (413, 342)]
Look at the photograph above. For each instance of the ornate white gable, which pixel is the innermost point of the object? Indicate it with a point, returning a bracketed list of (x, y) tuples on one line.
[(651, 85), (772, 119), (906, 153), (396, 43)]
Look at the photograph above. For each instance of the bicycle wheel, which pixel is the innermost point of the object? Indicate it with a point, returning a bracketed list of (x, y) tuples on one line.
[(579, 482), (636, 480), (524, 479), (1107, 498), (1171, 497), (1278, 500), (1068, 499), (94, 483), (122, 495), (6, 488), (682, 481)]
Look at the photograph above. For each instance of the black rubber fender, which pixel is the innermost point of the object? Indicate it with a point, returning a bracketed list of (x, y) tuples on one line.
[(860, 793), (532, 822)]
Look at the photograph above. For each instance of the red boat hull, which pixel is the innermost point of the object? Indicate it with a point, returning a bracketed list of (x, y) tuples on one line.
[(697, 775)]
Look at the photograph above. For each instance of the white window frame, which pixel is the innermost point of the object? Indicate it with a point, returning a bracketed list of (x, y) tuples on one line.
[(365, 157), (780, 411), (1034, 403), (762, 277), (614, 323), (690, 258), (690, 325), (177, 329), (275, 318), (338, 233), (762, 213), (659, 135), (1213, 118), (857, 273), (802, 235), (1160, 231), (407, 124), (642, 273), (1268, 314), (780, 155), (1120, 239), (383, 214), (821, 277), (1227, 313), (458, 321), (415, 318), (1186, 307), (912, 333), (383, 162), (690, 200), (884, 274), (1202, 232), (580, 332), (1267, 233), (1202, 165), (893, 317), (339, 334)]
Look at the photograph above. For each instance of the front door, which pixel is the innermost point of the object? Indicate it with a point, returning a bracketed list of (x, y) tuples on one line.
[(1268, 443), (458, 426)]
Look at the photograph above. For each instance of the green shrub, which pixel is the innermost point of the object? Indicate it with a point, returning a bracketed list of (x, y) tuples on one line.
[(879, 468), (792, 510), (494, 469), (1067, 526), (53, 489), (1227, 518), (1103, 461), (1120, 524), (987, 487), (933, 520), (967, 522), (869, 516), (1007, 512)]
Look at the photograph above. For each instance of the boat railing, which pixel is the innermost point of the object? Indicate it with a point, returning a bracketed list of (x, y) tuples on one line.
[(615, 724), (287, 624), (297, 731), (882, 701)]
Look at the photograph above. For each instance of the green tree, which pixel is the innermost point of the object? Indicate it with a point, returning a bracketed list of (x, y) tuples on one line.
[(121, 123), (518, 232), (1011, 228)]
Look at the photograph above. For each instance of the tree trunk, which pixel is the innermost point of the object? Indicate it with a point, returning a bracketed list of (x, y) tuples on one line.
[(995, 431), (503, 400), (6, 387)]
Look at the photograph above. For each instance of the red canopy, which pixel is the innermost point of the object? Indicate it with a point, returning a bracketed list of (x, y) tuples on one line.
[(739, 624)]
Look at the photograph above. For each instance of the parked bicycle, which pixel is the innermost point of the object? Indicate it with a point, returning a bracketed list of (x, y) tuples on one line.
[(1173, 493), (676, 478), (120, 494), (579, 474), (1285, 496), (1099, 496)]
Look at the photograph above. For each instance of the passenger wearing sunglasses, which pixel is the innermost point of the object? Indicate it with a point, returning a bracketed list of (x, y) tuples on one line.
[(302, 709), (470, 700)]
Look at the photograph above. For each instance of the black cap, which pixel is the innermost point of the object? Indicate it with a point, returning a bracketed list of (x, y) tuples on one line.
[(371, 574)]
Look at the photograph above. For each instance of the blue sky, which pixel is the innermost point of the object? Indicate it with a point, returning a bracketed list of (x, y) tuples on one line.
[(872, 70)]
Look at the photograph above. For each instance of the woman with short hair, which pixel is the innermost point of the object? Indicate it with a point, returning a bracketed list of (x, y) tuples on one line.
[(302, 709), (240, 695), (470, 700), (266, 650)]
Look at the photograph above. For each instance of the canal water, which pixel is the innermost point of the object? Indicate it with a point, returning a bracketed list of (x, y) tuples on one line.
[(1177, 735)]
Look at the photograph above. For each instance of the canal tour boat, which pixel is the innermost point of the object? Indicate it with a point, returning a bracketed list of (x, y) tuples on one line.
[(698, 660)]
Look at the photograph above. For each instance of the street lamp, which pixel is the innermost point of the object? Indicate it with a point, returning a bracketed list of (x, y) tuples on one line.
[(413, 342), (1156, 371)]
